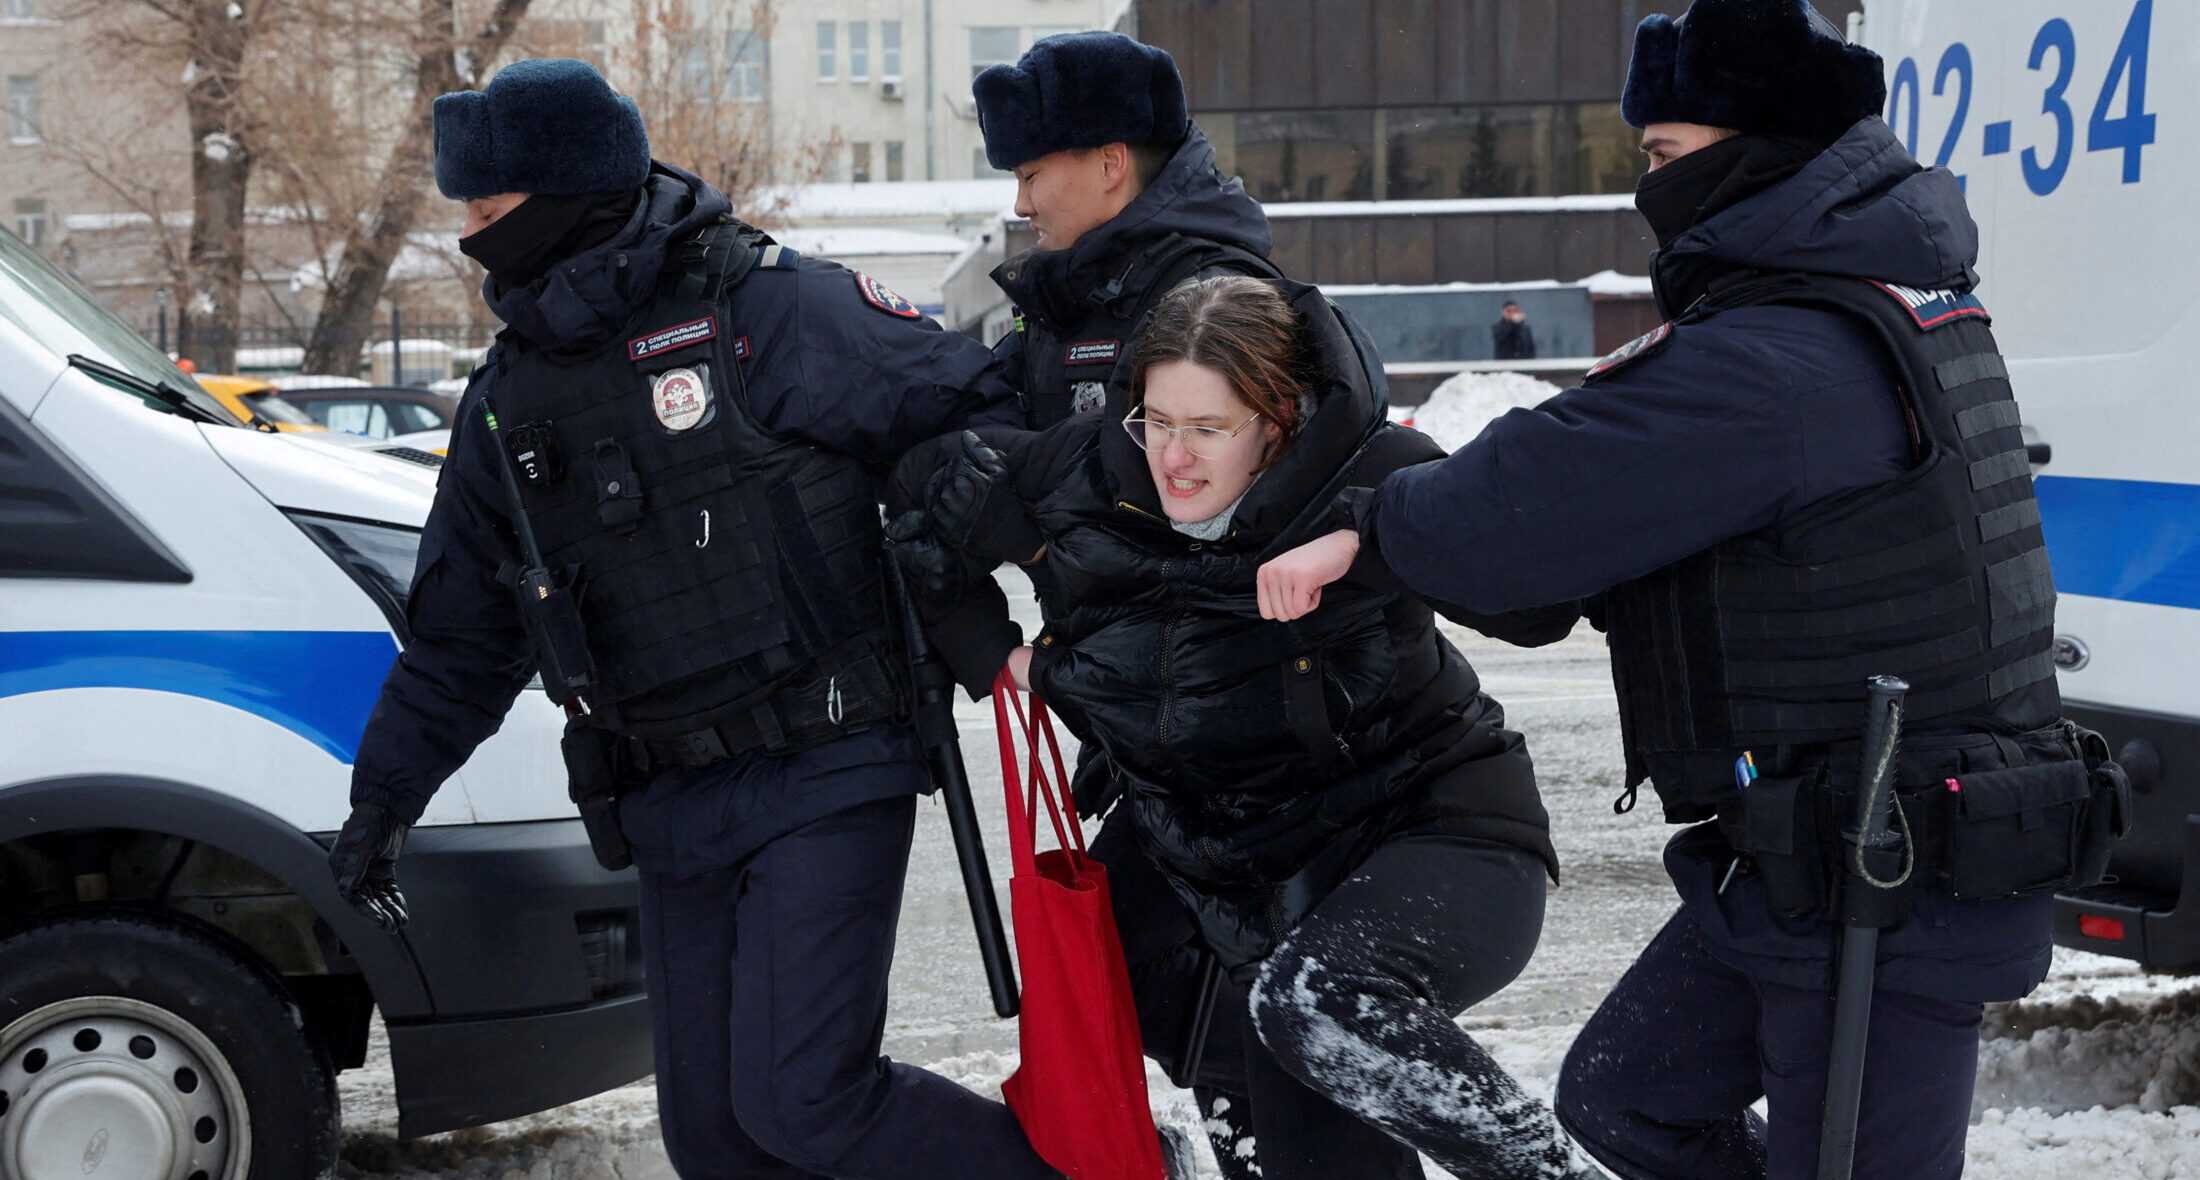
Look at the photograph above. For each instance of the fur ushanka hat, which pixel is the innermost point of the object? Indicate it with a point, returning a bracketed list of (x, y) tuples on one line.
[(546, 125), (1774, 67), (1079, 90)]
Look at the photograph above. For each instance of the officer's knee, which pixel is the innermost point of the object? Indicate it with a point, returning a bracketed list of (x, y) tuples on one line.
[(805, 1121), (1588, 1089)]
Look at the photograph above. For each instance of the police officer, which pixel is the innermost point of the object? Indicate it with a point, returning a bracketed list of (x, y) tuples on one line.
[(690, 419), (1124, 193), (1125, 196), (1812, 473)]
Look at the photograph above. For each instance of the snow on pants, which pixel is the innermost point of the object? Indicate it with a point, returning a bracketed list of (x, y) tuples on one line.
[(767, 993), (1659, 1083), (1358, 1004)]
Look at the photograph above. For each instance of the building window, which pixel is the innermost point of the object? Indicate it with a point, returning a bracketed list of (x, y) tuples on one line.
[(1428, 153), (1443, 152), (745, 66), (893, 159), (859, 168), (30, 220), (1606, 153), (828, 68), (859, 51), (993, 47), (19, 10), (889, 48), (1300, 155), (23, 108)]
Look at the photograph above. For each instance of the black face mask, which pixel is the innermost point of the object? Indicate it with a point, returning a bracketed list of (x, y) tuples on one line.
[(544, 230), (1706, 182)]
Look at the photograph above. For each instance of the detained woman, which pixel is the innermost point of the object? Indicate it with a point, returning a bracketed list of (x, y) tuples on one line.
[(1353, 831)]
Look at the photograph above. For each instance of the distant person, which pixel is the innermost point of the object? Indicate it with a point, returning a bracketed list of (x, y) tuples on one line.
[(1511, 336)]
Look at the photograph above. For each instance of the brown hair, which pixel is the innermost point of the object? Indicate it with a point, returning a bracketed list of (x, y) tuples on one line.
[(1242, 328)]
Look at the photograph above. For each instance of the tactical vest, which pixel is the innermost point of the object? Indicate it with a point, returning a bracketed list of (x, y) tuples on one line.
[(1068, 366), (1763, 642), (729, 580)]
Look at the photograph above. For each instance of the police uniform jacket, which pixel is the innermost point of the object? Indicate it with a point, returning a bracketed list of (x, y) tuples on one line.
[(1700, 473), (1262, 761), (826, 358)]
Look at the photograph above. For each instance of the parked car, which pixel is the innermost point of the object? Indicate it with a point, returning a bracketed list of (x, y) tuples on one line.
[(377, 411), (195, 621), (256, 401)]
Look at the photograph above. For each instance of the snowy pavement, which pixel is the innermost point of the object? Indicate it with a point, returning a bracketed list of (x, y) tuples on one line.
[(2095, 1076)]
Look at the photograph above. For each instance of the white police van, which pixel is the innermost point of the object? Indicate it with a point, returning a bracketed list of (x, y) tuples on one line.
[(2075, 125), (195, 620)]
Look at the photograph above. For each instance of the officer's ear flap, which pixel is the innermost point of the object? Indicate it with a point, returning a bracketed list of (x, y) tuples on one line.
[(1011, 116), (1649, 95)]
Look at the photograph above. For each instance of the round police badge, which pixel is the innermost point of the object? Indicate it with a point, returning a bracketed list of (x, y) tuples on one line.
[(680, 396)]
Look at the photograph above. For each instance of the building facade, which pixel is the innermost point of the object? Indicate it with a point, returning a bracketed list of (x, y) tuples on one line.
[(890, 79)]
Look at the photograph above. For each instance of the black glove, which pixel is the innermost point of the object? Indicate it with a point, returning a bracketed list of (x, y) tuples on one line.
[(937, 573), (974, 508), (365, 863)]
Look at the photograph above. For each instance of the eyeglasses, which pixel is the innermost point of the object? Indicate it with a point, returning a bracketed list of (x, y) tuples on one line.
[(1201, 441)]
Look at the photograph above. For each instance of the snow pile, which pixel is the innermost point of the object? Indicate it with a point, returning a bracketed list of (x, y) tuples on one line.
[(2080, 1053), (1463, 405)]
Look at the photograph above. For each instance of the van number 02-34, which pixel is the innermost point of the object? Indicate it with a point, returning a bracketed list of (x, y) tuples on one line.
[(2054, 56)]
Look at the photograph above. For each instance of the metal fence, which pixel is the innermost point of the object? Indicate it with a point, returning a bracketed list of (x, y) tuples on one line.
[(429, 351)]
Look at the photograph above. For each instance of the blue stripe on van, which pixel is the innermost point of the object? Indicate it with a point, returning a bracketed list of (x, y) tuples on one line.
[(2123, 539), (318, 684)]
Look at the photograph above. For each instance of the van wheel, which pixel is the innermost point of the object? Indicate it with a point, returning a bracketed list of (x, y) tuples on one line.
[(137, 1044)]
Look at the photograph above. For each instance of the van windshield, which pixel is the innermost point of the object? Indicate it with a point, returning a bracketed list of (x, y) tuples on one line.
[(56, 312)]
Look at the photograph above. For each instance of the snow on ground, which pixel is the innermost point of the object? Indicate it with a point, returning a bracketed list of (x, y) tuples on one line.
[(2097, 1075), (1458, 409)]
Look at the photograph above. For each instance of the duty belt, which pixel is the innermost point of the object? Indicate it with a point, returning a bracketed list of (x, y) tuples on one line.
[(859, 693)]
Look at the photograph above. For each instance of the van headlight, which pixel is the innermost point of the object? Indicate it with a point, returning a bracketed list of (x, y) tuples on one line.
[(380, 557)]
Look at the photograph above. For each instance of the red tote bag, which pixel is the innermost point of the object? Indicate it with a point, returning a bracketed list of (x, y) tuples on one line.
[(1080, 1091)]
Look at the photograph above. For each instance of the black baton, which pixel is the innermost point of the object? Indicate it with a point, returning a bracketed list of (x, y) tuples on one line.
[(1863, 845), (934, 689), (1194, 1051)]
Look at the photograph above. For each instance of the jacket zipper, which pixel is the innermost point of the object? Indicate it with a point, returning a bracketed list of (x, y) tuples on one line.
[(1166, 682), (1337, 735)]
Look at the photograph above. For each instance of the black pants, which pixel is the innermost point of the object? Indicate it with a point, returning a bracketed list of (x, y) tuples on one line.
[(1356, 1010), (1359, 1004), (1659, 1084), (1166, 958), (767, 990)]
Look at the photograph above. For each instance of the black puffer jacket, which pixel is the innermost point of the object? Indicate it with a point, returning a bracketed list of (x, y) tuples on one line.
[(1263, 760)]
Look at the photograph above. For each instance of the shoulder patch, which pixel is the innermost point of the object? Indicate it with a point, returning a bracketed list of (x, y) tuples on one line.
[(876, 294), (1632, 351), (678, 336), (1092, 352), (1932, 309)]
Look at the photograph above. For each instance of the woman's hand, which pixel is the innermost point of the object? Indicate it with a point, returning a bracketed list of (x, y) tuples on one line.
[(1019, 667), (1291, 585)]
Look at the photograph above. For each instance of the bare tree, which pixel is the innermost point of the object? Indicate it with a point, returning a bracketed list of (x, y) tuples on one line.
[(445, 61), (206, 44)]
